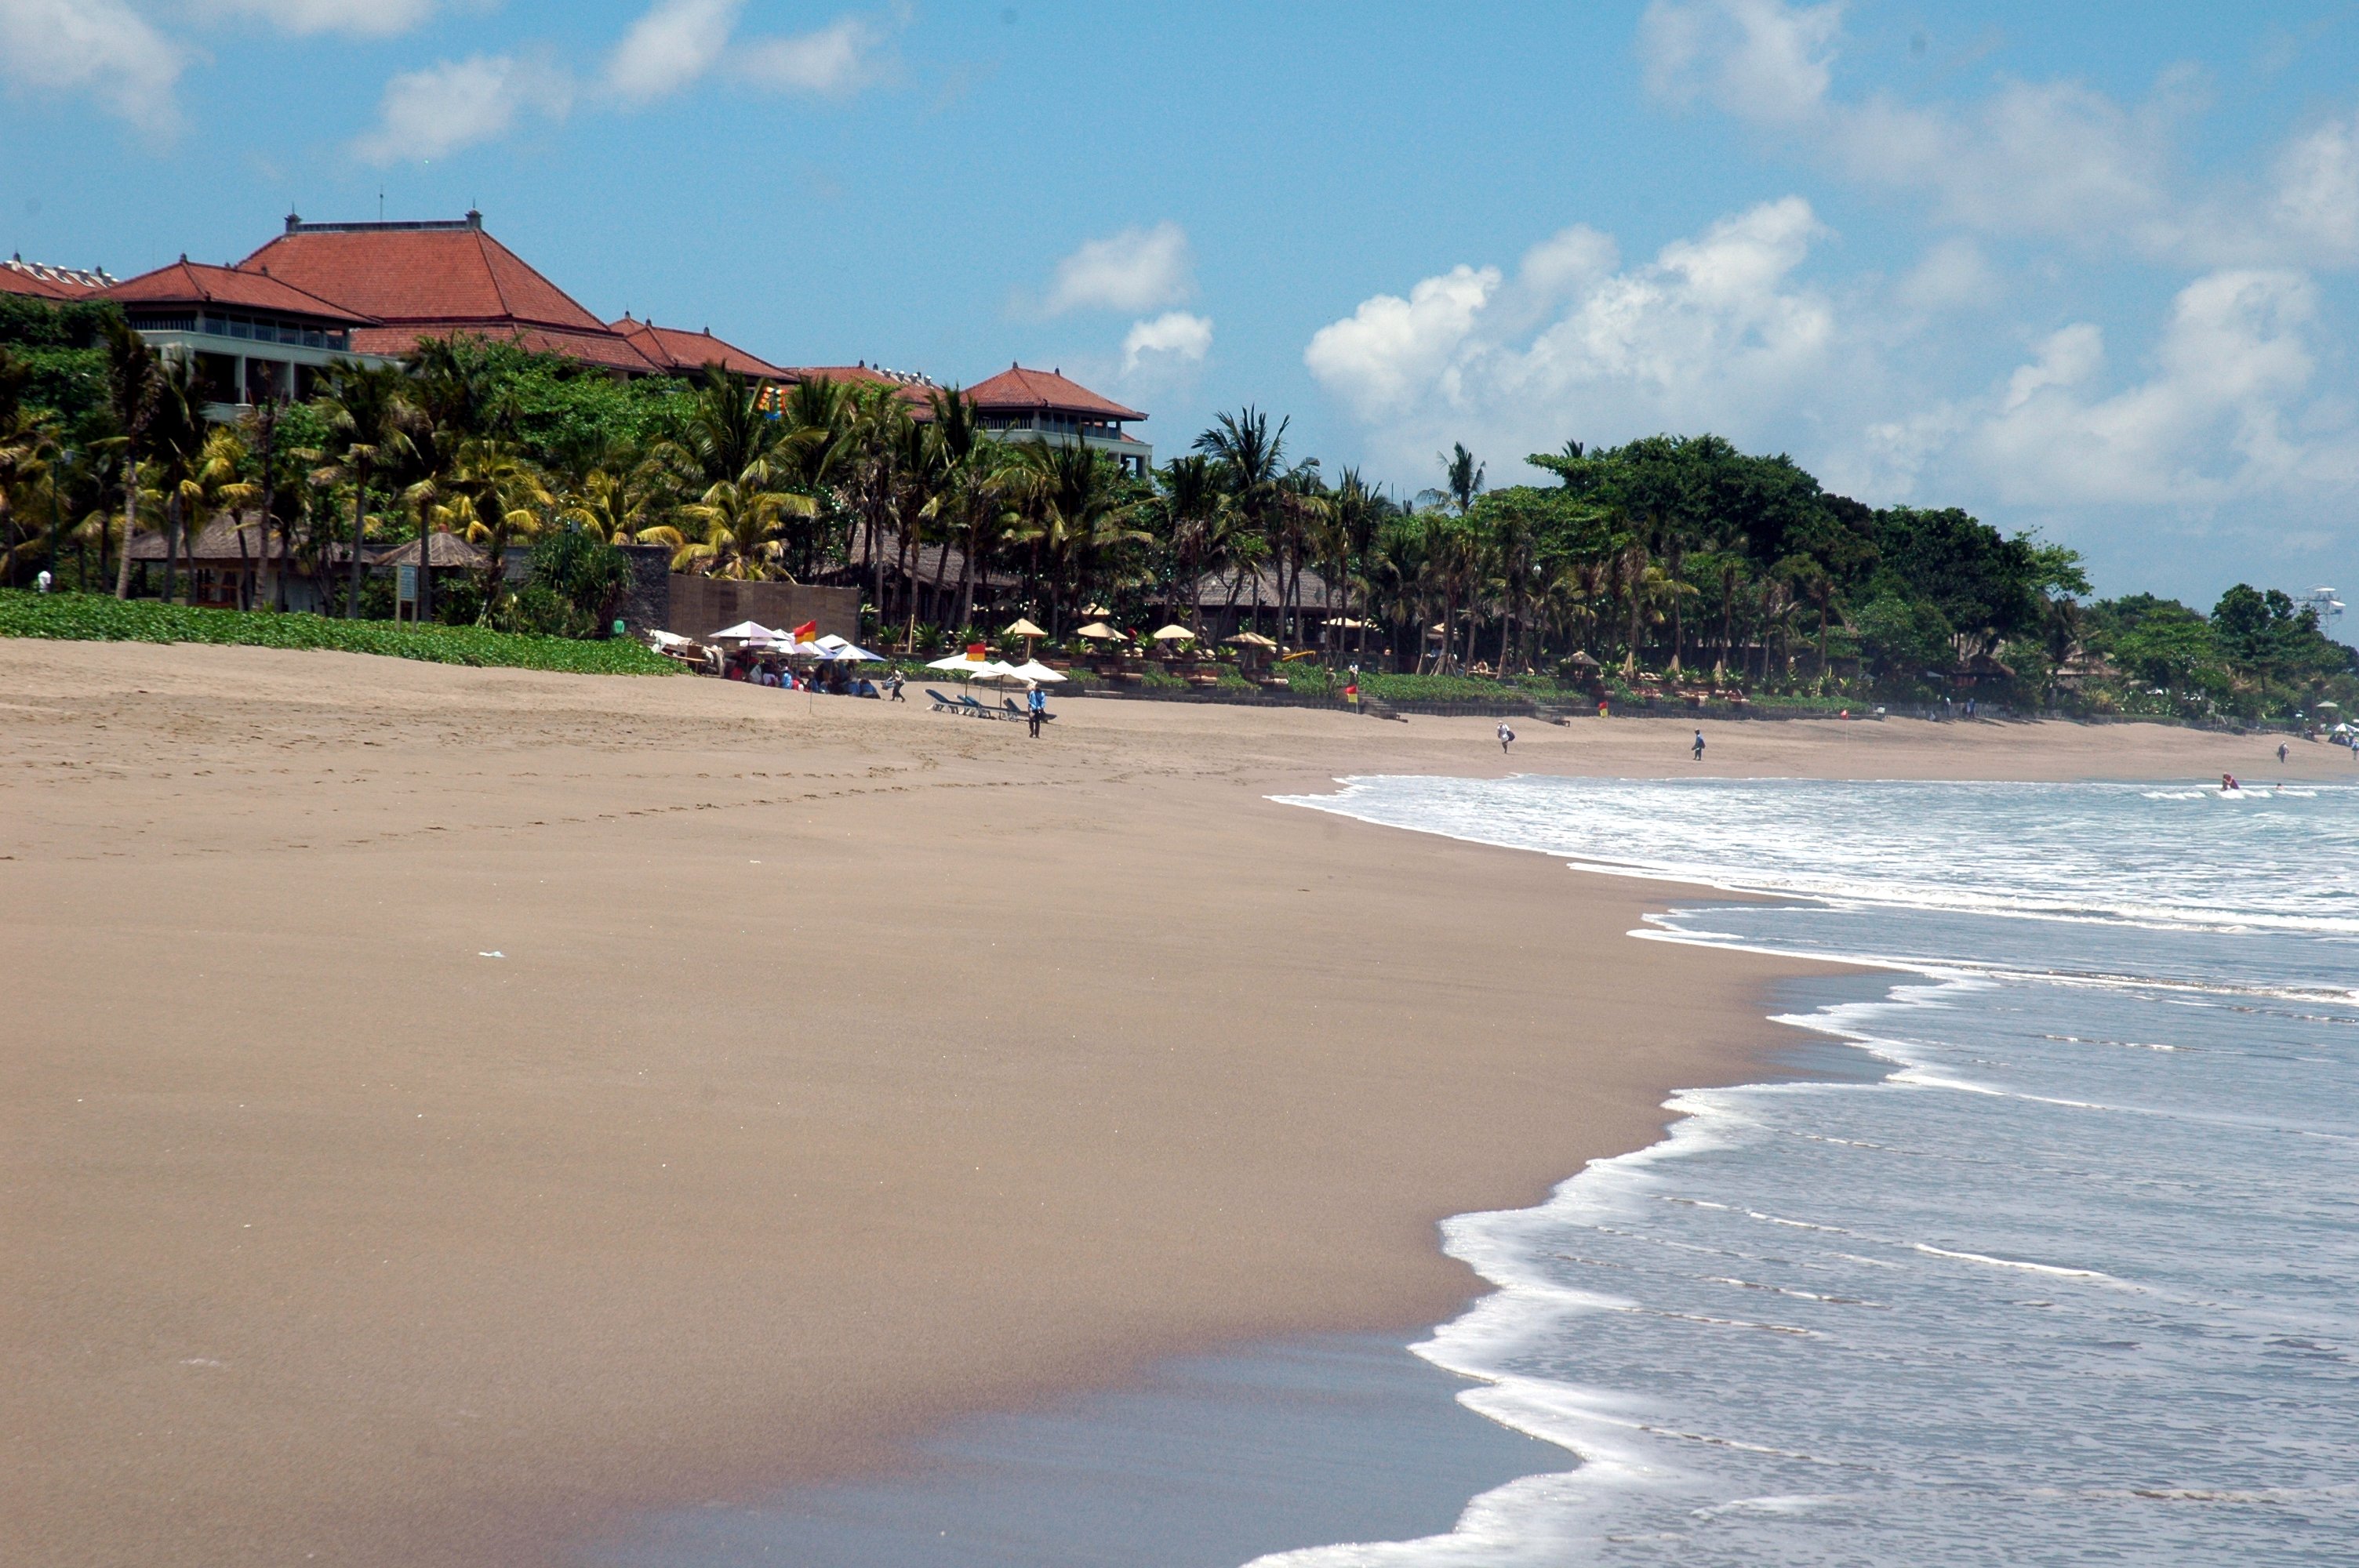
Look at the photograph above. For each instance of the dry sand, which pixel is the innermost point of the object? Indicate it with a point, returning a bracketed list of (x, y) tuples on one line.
[(834, 1068)]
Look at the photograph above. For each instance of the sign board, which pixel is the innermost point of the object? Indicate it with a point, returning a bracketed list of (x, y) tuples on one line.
[(406, 585)]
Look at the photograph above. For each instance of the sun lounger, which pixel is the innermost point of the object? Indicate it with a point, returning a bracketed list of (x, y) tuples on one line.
[(1015, 712), (947, 704)]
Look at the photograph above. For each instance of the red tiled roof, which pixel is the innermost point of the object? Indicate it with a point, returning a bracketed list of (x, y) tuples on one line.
[(600, 348), (1017, 388), (186, 282), (685, 353), (402, 274), (19, 276)]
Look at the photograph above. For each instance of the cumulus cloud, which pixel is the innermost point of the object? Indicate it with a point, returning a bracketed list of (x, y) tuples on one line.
[(102, 47), (1756, 58), (1137, 269), (360, 18), (680, 42), (1715, 332), (675, 43), (452, 104), (1171, 338), (2220, 416), (839, 58)]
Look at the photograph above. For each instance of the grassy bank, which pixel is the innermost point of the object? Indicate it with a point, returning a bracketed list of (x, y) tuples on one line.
[(83, 617)]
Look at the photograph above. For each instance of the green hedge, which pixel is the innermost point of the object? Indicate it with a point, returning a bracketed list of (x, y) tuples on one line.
[(89, 617)]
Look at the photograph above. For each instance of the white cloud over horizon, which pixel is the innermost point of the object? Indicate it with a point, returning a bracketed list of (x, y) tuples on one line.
[(840, 59), (1137, 269), (102, 47), (2222, 428)]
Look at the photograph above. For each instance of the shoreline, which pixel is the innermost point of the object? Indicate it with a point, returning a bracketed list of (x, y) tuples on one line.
[(270, 890)]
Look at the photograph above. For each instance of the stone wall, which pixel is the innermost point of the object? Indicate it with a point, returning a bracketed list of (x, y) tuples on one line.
[(699, 606)]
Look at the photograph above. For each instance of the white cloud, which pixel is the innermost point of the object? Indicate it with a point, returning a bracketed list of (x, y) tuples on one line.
[(103, 48), (2221, 416), (674, 44), (1953, 275), (1756, 58), (360, 18), (839, 58), (1137, 269), (453, 104), (2055, 159), (1714, 333), (1175, 335), (1391, 353), (680, 42), (2315, 195)]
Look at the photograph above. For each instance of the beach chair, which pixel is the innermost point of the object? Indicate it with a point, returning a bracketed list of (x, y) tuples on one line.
[(1015, 712), (969, 704), (941, 703)]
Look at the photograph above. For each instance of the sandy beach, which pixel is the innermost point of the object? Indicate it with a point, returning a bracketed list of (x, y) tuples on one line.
[(444, 1110)]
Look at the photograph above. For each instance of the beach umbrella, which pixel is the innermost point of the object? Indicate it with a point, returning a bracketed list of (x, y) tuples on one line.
[(1252, 639), (1037, 673), (959, 664), (744, 632), (1175, 633), (1099, 631), (1022, 628)]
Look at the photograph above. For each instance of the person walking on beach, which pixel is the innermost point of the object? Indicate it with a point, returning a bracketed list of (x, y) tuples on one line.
[(1506, 737), (2281, 754), (1698, 746), (1035, 708), (893, 688)]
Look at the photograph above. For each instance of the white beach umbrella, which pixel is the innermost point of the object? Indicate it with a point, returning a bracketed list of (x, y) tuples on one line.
[(1037, 673), (959, 664), (744, 632)]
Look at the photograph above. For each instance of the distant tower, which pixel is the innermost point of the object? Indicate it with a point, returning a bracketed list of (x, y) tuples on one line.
[(2325, 606)]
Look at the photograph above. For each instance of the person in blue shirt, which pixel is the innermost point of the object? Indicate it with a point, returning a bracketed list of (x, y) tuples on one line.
[(1035, 708)]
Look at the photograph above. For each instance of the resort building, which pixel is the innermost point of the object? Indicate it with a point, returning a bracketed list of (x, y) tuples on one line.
[(439, 278), (675, 351), (19, 276), (253, 336), (1019, 404)]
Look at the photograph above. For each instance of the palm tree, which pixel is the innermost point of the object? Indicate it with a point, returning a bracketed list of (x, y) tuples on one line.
[(177, 434), (737, 524), (131, 392), (1249, 459), (1196, 512), (1075, 511), (499, 497), (369, 415)]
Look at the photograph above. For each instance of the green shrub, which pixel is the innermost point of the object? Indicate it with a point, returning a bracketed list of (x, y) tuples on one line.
[(97, 618)]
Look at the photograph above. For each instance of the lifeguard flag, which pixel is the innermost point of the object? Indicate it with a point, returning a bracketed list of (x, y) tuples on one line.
[(807, 631), (979, 652)]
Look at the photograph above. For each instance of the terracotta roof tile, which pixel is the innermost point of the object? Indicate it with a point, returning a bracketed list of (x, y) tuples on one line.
[(686, 354), (188, 282), (1017, 388), (404, 274), (19, 276)]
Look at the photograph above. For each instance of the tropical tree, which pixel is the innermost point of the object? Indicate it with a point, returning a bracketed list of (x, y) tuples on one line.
[(370, 416)]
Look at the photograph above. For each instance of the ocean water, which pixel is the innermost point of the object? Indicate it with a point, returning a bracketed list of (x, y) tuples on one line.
[(2059, 1262)]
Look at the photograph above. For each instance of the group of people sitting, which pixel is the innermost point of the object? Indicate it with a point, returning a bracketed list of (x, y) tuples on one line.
[(834, 680)]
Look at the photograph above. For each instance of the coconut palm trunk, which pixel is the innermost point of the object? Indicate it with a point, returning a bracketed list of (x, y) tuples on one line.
[(130, 523), (360, 508)]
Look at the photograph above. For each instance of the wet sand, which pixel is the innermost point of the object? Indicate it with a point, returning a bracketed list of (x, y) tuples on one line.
[(444, 1112)]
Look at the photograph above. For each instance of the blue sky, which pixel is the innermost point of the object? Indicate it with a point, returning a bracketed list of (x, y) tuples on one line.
[(2087, 269)]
